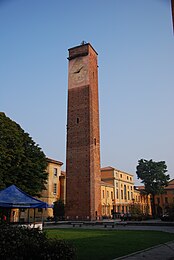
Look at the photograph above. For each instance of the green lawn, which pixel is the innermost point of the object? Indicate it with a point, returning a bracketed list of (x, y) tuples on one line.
[(109, 244)]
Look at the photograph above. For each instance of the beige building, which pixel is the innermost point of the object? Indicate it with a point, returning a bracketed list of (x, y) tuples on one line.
[(54, 190), (142, 200), (123, 184), (118, 194), (54, 184), (107, 198), (165, 201)]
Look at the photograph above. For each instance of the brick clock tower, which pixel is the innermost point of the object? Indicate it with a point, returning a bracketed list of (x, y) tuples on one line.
[(83, 190)]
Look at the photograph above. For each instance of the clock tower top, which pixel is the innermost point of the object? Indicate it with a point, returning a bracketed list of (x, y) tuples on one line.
[(80, 50)]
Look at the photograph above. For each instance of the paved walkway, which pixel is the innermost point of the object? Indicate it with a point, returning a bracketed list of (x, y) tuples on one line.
[(161, 252), (169, 229)]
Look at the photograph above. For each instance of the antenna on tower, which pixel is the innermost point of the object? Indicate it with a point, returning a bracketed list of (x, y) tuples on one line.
[(172, 7), (83, 42)]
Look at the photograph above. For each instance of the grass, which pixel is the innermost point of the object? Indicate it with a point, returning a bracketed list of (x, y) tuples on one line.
[(109, 244)]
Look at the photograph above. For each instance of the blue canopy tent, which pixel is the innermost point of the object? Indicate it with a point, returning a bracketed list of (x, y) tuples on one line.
[(13, 197)]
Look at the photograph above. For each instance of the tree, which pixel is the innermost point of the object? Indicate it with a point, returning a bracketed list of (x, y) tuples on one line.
[(58, 209), (21, 160), (154, 178)]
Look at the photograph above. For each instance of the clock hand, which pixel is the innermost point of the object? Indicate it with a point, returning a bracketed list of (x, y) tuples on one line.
[(78, 70)]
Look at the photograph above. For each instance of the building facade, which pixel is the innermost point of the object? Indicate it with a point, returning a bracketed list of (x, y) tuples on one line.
[(54, 190), (118, 194), (123, 184), (107, 199), (142, 200), (54, 187), (165, 201)]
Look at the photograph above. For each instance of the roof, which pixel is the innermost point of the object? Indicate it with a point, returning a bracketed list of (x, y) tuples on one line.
[(13, 197), (109, 168), (139, 187), (54, 161), (169, 187)]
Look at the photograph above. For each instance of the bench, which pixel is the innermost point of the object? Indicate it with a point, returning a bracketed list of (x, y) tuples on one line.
[(113, 224), (106, 224), (121, 223), (77, 224)]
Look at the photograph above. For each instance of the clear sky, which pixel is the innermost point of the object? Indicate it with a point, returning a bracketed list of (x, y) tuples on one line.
[(135, 45)]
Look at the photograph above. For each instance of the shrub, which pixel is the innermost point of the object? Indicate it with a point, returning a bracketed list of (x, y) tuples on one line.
[(24, 243)]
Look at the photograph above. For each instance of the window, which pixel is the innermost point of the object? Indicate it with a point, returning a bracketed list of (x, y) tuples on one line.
[(117, 193), (112, 195), (77, 120), (131, 195), (166, 200), (125, 195), (122, 209), (103, 194), (54, 188), (158, 200), (122, 194), (107, 194), (128, 195), (120, 175), (55, 172)]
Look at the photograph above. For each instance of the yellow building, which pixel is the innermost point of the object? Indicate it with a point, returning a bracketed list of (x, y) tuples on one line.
[(107, 198), (118, 194), (166, 200), (53, 186), (123, 188), (142, 200), (54, 190)]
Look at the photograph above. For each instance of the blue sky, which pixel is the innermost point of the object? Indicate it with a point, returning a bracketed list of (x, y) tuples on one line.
[(135, 45)]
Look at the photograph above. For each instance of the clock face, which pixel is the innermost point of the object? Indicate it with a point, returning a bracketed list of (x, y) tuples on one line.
[(78, 72)]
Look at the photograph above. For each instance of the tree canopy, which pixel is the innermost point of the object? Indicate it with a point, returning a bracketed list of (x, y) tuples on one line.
[(154, 178), (22, 162), (153, 175), (59, 209)]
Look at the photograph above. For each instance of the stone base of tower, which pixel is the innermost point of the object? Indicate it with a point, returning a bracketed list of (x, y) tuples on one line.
[(80, 215), (82, 218)]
